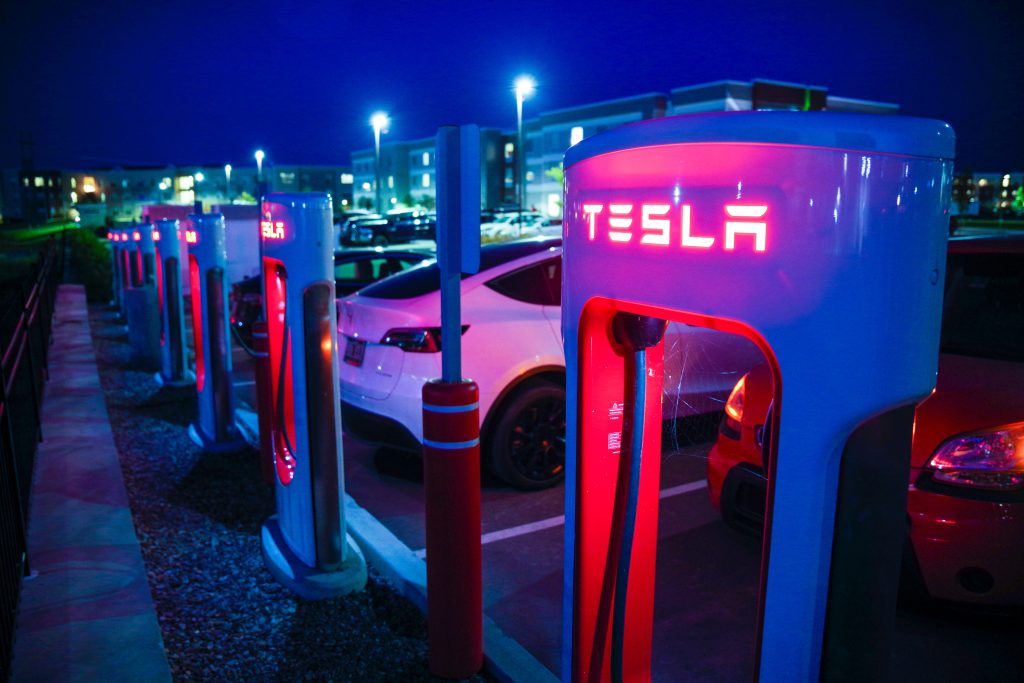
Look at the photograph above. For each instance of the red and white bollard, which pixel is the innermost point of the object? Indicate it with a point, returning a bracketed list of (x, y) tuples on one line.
[(451, 475), (264, 399)]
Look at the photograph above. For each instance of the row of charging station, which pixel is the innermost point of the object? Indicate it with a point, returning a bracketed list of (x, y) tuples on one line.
[(305, 545)]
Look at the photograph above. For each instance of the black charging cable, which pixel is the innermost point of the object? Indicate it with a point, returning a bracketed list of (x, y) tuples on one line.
[(638, 333), (282, 274)]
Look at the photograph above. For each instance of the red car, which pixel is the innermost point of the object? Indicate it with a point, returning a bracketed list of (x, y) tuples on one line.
[(965, 508)]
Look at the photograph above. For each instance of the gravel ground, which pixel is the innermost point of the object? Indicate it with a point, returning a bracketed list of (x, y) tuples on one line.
[(198, 517)]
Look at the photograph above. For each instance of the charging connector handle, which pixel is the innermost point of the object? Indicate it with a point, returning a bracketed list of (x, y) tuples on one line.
[(638, 332)]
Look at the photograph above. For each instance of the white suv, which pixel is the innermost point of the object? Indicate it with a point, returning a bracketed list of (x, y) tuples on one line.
[(512, 348)]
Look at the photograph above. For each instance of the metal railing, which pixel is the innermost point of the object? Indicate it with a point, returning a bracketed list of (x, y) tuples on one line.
[(26, 318)]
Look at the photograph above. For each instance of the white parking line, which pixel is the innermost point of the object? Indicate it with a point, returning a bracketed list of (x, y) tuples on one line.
[(550, 522)]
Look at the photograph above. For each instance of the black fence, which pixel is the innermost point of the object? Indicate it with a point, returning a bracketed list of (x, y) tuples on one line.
[(26, 317)]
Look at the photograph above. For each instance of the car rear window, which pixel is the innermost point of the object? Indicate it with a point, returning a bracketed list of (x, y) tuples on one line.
[(983, 311), (427, 277)]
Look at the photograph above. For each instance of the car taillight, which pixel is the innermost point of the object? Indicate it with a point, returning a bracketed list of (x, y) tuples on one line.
[(416, 339), (734, 408), (991, 459)]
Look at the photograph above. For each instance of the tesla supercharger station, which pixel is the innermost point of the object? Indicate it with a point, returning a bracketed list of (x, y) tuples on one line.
[(142, 305), (114, 238), (306, 544), (124, 237), (214, 428), (822, 238), (174, 369)]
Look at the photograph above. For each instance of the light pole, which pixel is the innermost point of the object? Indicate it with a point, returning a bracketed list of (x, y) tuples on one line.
[(259, 175), (524, 86), (227, 184), (380, 123)]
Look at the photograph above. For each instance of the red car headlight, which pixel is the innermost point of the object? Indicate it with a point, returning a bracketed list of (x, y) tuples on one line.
[(992, 459)]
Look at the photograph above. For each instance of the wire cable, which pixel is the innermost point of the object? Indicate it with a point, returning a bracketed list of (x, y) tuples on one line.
[(629, 514)]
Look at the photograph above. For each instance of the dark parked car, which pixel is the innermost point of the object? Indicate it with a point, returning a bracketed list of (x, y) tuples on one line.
[(353, 270), (380, 231)]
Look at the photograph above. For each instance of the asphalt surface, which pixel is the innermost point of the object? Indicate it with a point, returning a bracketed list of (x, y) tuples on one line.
[(707, 573)]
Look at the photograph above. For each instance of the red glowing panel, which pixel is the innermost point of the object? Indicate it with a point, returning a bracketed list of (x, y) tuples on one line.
[(136, 236), (156, 236), (191, 236), (110, 236), (272, 230), (197, 319), (658, 225)]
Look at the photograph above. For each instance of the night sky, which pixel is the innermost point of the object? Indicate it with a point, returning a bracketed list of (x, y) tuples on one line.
[(100, 83)]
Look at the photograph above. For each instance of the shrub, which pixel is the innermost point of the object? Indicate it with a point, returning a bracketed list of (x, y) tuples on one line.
[(91, 264)]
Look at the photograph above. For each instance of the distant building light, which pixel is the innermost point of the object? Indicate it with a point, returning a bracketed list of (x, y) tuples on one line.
[(983, 182), (163, 185), (426, 180), (344, 202), (38, 181), (24, 181), (510, 149), (287, 178), (575, 135), (186, 182), (200, 177), (347, 179), (74, 181), (88, 187), (554, 204), (426, 158), (74, 197), (394, 200), (367, 187), (1006, 180), (391, 182), (529, 176)]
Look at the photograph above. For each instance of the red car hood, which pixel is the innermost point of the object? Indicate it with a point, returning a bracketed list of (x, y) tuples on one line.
[(972, 394)]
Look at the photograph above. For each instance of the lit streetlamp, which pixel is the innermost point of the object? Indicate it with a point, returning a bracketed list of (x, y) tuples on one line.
[(380, 123), (227, 185), (524, 86), (259, 175)]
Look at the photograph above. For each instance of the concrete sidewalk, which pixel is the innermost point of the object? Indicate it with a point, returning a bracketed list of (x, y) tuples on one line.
[(87, 613)]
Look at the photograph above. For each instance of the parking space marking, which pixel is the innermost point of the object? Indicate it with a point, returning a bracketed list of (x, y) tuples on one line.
[(551, 522)]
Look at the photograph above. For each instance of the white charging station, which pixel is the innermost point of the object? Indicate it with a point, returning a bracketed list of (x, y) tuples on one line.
[(306, 544), (822, 238), (174, 370), (215, 428)]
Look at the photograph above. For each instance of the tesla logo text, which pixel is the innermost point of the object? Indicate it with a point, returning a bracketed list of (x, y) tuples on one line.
[(272, 230), (191, 237), (657, 225)]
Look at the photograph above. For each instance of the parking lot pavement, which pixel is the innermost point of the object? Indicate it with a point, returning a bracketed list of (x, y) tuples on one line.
[(706, 583)]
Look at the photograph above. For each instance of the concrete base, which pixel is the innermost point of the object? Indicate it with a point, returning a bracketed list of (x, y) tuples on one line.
[(189, 380), (199, 438), (308, 582)]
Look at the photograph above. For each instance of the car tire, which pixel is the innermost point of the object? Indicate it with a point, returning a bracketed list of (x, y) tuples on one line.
[(380, 241), (525, 447)]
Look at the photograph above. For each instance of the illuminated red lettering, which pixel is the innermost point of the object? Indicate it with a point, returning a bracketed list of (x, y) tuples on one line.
[(692, 240), (271, 230), (756, 228), (657, 226), (623, 234), (592, 210)]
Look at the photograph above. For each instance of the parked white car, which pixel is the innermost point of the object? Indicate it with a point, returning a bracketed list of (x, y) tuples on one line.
[(512, 348)]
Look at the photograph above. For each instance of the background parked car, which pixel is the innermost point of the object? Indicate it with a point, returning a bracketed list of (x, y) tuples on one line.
[(965, 505), (380, 231), (512, 348), (353, 270)]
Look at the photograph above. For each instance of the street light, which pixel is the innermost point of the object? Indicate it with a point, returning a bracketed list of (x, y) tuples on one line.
[(259, 175), (227, 186), (524, 86), (380, 123)]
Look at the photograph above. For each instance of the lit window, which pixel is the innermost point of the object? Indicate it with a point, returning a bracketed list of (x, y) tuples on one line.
[(554, 204), (185, 183), (103, 197), (426, 180), (74, 197), (24, 181), (74, 181), (38, 181), (391, 182), (88, 184), (510, 149), (575, 135), (347, 179), (124, 183), (529, 176), (366, 187), (49, 182), (188, 196), (426, 160)]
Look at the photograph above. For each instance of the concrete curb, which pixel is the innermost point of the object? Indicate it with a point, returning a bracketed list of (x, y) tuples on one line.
[(506, 659)]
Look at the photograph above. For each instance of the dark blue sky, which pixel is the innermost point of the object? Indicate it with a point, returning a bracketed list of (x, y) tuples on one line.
[(101, 83)]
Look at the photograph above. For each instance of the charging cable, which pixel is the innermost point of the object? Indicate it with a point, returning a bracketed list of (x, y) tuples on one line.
[(638, 333)]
